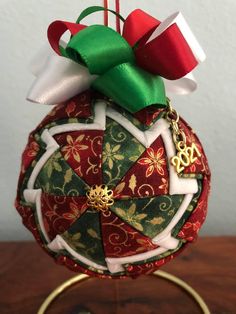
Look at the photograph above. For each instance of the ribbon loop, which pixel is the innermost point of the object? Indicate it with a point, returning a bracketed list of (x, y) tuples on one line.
[(164, 55), (132, 87), (57, 29), (138, 25), (99, 48)]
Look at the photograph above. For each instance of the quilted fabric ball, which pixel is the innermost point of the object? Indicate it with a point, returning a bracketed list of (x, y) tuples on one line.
[(99, 193)]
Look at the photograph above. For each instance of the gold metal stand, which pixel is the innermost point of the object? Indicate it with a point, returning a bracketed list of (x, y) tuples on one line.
[(161, 274)]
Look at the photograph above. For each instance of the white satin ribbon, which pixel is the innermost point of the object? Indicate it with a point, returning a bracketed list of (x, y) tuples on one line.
[(59, 79), (40, 59), (183, 86)]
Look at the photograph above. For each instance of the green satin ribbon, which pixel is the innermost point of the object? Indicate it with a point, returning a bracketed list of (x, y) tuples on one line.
[(99, 48), (132, 87), (107, 54)]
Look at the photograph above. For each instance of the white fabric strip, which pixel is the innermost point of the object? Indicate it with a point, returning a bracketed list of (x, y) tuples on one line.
[(146, 138), (34, 196), (168, 242), (59, 244), (52, 146)]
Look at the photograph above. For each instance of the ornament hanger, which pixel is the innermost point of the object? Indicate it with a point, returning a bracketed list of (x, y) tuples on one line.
[(106, 14)]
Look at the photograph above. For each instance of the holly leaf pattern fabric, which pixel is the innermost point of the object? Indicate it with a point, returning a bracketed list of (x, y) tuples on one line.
[(60, 212), (120, 152), (148, 176), (149, 216), (85, 237), (82, 150), (52, 178), (121, 240)]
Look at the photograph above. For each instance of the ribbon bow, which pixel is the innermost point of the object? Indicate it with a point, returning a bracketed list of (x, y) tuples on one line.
[(129, 69)]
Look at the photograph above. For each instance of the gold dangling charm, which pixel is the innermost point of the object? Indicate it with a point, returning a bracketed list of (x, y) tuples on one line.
[(186, 155), (100, 198)]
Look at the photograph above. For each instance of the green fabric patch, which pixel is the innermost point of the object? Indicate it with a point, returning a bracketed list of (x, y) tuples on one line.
[(120, 151), (150, 216), (57, 177), (84, 236)]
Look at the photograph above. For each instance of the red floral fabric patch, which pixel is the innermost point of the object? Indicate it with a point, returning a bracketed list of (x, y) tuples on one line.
[(77, 107), (148, 268), (60, 212), (29, 221), (148, 115), (148, 177), (192, 227), (29, 155), (82, 150), (120, 239)]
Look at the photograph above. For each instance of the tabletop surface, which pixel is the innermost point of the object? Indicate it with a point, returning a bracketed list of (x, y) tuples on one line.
[(27, 276)]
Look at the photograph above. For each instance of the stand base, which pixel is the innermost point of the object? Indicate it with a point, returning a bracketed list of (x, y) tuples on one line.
[(161, 274)]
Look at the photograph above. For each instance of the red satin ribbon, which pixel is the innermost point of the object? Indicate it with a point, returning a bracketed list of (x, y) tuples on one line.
[(139, 25), (57, 29), (168, 55)]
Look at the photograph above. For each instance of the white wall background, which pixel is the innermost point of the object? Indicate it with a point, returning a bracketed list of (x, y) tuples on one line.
[(211, 110)]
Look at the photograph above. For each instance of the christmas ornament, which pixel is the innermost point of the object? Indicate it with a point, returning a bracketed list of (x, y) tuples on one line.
[(113, 182)]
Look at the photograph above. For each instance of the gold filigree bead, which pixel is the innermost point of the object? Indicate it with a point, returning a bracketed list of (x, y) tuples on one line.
[(100, 198)]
